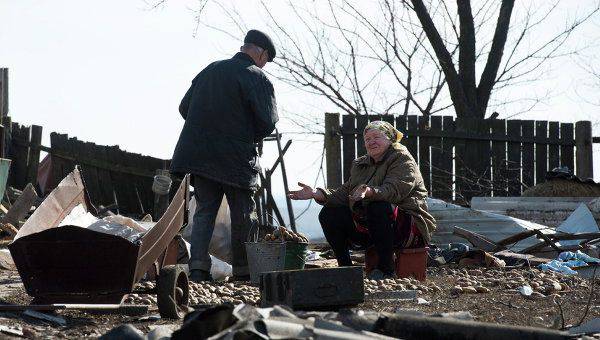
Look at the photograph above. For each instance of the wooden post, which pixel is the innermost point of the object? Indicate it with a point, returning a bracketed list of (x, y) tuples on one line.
[(584, 164), (3, 92), (34, 154), (333, 152), (161, 201)]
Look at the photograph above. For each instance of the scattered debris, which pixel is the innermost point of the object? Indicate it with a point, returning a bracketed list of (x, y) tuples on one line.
[(123, 332), (6, 261), (525, 291), (421, 301), (579, 222), (11, 331), (567, 261), (462, 315), (590, 327), (60, 321)]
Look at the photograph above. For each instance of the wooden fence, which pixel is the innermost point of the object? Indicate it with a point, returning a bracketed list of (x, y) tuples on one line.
[(111, 175), (460, 159)]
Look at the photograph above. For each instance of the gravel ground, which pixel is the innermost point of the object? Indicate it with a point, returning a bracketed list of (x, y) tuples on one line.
[(488, 294)]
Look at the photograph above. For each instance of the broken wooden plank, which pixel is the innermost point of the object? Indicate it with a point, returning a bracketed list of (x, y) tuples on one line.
[(576, 236), (477, 240), (21, 206), (516, 238), (533, 260), (548, 240)]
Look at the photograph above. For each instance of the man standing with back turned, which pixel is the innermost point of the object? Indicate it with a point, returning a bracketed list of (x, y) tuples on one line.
[(228, 110)]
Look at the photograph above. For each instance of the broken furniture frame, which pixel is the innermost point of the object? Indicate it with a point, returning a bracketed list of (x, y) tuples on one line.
[(547, 245), (266, 205)]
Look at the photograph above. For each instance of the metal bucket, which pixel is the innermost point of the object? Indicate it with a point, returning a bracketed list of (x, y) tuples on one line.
[(271, 256)]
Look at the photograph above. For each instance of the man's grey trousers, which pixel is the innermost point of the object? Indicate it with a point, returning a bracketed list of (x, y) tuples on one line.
[(209, 195)]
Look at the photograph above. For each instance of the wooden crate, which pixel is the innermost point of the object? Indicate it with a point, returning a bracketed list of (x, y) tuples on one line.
[(326, 288)]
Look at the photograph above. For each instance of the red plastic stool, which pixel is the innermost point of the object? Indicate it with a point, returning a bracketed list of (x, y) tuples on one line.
[(409, 262)]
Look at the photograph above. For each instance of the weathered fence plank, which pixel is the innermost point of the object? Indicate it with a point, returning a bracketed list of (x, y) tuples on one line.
[(19, 154), (3, 92), (333, 152), (541, 151), (528, 163), (553, 147), (567, 146), (424, 151), (584, 154), (33, 160), (361, 123), (411, 138), (348, 144), (500, 183), (513, 132), (437, 162), (446, 180)]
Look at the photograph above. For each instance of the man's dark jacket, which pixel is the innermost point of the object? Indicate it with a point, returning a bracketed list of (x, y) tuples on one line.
[(229, 108)]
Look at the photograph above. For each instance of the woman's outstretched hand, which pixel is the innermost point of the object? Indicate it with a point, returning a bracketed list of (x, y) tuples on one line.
[(305, 193), (360, 192)]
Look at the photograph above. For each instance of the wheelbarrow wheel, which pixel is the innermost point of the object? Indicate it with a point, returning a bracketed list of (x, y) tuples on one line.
[(173, 292)]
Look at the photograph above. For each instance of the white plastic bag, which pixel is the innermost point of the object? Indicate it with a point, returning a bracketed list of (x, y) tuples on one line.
[(220, 270)]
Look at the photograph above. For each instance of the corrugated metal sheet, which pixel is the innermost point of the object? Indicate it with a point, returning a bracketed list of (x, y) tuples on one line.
[(550, 211), (493, 226)]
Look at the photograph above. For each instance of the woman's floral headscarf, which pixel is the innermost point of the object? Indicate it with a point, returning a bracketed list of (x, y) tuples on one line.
[(388, 130)]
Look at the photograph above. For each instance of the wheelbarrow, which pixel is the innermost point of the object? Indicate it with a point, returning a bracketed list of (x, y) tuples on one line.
[(75, 265)]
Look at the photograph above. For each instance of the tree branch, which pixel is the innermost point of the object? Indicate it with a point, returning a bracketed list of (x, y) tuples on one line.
[(488, 77)]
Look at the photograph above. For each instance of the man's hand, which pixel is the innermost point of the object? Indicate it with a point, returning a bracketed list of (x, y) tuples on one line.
[(361, 192), (305, 193)]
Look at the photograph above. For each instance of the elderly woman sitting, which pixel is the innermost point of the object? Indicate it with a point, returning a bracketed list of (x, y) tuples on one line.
[(381, 205)]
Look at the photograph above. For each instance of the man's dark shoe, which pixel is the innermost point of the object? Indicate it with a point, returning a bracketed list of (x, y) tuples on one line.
[(240, 278), (378, 275), (198, 275)]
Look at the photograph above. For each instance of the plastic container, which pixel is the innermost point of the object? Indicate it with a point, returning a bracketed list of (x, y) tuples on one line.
[(4, 167), (273, 256), (409, 262), (161, 184)]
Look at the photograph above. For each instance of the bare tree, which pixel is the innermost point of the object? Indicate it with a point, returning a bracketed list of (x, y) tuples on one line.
[(469, 98), (410, 56)]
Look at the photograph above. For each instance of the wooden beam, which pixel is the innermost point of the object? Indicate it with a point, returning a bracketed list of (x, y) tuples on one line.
[(479, 241), (516, 238)]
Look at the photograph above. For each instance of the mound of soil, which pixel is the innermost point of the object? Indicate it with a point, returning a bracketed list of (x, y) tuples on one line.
[(563, 188)]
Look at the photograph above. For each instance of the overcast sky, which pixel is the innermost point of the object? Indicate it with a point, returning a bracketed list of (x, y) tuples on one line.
[(113, 72)]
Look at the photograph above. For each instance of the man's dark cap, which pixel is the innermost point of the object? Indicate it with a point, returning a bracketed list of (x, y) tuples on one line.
[(262, 40)]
